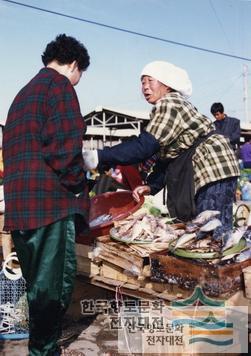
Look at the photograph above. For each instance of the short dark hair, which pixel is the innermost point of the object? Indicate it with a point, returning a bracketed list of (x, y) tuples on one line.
[(65, 50), (217, 107)]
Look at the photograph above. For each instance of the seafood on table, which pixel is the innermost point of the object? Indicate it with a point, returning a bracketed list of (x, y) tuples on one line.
[(194, 238), (146, 228), (232, 237), (232, 246), (205, 216)]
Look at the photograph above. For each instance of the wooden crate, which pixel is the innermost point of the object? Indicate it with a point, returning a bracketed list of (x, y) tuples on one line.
[(216, 280), (112, 260), (85, 265)]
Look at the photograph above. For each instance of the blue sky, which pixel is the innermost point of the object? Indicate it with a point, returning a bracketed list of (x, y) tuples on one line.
[(117, 58)]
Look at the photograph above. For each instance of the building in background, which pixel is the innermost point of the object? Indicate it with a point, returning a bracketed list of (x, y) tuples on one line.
[(107, 126)]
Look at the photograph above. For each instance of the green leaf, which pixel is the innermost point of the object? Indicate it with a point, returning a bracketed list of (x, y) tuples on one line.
[(236, 248)]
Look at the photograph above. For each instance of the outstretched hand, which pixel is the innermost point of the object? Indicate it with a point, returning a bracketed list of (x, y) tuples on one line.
[(139, 191)]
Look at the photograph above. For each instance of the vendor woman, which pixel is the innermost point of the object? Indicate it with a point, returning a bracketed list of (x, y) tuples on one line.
[(198, 166)]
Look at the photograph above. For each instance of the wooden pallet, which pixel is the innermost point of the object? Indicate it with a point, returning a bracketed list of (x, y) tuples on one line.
[(112, 269)]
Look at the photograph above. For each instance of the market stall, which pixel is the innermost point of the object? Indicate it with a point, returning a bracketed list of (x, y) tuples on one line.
[(146, 256), (140, 251)]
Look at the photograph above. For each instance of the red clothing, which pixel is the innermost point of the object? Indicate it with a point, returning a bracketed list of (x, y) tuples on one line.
[(131, 177), (42, 152)]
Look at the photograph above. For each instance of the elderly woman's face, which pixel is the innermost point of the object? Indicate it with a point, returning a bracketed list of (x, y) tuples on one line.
[(152, 89)]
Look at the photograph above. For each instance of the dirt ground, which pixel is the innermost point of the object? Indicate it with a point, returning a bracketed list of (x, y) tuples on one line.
[(84, 335), (88, 339)]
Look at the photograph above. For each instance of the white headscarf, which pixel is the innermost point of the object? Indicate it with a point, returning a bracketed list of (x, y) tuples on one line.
[(170, 75)]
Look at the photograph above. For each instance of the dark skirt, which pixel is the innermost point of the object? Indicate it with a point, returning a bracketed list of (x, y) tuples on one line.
[(220, 196)]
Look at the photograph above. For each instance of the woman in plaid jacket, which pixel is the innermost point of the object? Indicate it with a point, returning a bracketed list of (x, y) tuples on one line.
[(177, 128)]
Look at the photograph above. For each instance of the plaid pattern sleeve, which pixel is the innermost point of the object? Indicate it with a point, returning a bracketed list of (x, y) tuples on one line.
[(43, 164), (176, 124), (62, 142)]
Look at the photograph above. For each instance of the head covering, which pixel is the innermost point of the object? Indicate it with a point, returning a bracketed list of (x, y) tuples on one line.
[(170, 75)]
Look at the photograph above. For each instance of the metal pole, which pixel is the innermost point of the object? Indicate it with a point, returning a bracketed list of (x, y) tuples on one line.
[(104, 127)]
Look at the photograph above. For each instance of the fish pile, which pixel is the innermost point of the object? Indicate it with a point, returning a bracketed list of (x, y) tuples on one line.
[(147, 228), (200, 240), (198, 233), (196, 237)]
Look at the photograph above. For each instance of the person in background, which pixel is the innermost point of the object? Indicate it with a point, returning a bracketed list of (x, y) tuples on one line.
[(198, 166), (226, 125), (45, 186), (245, 153)]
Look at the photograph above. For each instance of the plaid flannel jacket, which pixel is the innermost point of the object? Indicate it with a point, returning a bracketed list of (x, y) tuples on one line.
[(176, 124), (42, 145)]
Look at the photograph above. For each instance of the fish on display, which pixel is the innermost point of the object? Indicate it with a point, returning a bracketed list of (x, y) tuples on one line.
[(184, 239), (205, 216), (137, 230), (229, 257), (178, 232), (165, 237), (231, 238), (247, 235), (144, 228), (210, 226), (191, 227), (244, 255), (201, 244)]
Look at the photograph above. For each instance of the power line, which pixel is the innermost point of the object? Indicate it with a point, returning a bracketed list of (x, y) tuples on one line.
[(219, 22), (129, 31), (230, 86)]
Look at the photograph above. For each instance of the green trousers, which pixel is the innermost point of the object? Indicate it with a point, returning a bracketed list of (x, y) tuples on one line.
[(48, 263)]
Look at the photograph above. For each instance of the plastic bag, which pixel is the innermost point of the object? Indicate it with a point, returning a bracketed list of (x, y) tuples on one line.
[(14, 320)]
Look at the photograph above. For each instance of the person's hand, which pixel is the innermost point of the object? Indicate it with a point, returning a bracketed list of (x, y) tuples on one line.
[(140, 190), (90, 159)]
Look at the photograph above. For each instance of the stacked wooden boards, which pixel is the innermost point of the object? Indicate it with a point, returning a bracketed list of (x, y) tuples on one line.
[(161, 275)]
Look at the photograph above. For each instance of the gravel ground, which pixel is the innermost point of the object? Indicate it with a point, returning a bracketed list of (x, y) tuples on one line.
[(83, 335), (83, 341), (80, 332)]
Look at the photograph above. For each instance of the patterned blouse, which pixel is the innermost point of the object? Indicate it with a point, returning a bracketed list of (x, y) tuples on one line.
[(176, 124)]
